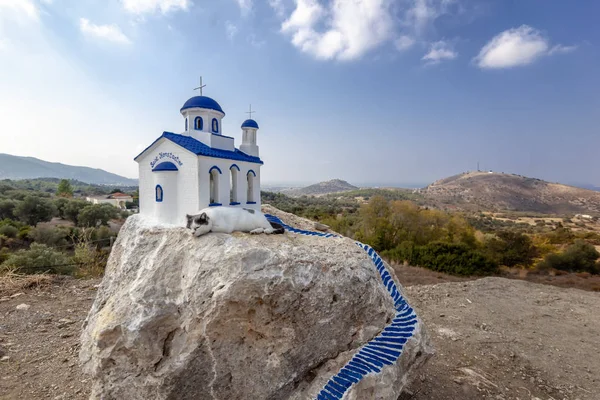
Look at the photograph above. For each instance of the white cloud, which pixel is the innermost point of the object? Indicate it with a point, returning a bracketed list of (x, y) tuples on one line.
[(25, 8), (278, 6), (404, 42), (150, 6), (421, 14), (349, 28), (560, 49), (517, 47), (245, 6), (438, 52), (231, 29), (107, 32)]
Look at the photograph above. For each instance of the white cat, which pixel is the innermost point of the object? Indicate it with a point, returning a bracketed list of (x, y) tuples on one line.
[(228, 219)]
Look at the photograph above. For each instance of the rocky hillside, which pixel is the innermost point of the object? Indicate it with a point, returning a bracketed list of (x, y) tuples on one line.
[(15, 167), (498, 192), (332, 186)]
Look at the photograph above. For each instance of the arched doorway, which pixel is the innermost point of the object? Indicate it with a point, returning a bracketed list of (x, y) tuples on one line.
[(250, 176), (233, 192), (214, 173)]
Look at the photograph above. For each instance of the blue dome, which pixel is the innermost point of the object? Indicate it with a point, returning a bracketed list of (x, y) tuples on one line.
[(250, 123), (202, 102)]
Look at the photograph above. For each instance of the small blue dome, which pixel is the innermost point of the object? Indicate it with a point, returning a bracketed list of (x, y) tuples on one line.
[(250, 123), (202, 102)]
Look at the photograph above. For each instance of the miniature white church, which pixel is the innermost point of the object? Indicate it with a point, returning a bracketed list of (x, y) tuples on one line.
[(183, 173)]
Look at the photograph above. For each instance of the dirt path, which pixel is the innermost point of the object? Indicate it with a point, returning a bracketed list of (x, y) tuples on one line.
[(507, 339), (42, 341), (495, 339)]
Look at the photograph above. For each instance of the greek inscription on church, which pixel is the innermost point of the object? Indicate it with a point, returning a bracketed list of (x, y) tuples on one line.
[(161, 156)]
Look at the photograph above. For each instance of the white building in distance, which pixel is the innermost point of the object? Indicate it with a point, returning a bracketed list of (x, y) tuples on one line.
[(180, 174), (118, 200)]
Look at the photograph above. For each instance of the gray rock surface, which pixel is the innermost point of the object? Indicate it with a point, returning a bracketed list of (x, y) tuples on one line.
[(237, 317)]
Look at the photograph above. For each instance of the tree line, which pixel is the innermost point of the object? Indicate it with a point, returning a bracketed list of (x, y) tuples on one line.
[(74, 245), (405, 232)]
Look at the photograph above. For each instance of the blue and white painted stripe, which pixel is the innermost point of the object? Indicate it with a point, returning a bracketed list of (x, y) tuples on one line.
[(385, 348), (272, 218)]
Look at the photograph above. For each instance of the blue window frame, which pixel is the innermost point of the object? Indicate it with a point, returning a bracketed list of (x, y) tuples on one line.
[(198, 124), (159, 194), (215, 125), (186, 124)]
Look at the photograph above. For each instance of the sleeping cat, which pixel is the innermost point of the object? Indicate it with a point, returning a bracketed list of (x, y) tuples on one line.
[(227, 220)]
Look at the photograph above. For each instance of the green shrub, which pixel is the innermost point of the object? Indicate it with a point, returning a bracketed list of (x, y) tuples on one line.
[(579, 257), (33, 210), (9, 231), (72, 209), (510, 248), (51, 236), (24, 232), (456, 259), (7, 208), (61, 204), (37, 259), (4, 253), (96, 215)]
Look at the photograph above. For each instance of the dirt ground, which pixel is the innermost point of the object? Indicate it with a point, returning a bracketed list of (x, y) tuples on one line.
[(495, 338), (410, 276), (507, 339), (39, 344)]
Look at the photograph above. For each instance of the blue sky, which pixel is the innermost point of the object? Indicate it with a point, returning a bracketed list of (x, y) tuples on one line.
[(371, 91)]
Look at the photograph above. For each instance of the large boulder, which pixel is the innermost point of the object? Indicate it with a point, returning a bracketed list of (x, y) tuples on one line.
[(293, 316)]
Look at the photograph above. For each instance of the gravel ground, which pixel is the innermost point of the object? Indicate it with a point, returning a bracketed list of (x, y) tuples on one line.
[(495, 339), (39, 340), (507, 339)]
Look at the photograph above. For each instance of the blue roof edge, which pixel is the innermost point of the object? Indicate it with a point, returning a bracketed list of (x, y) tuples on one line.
[(236, 155)]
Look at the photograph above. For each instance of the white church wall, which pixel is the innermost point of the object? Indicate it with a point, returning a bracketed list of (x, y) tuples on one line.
[(186, 181), (255, 187), (222, 142), (207, 117), (167, 210), (214, 140), (224, 165)]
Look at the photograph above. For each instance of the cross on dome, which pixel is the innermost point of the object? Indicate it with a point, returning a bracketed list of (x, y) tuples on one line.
[(250, 112), (200, 87)]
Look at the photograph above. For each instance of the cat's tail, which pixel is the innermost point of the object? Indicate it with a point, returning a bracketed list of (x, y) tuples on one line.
[(278, 228)]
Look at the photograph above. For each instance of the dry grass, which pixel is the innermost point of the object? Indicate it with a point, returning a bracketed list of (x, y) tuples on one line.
[(11, 283)]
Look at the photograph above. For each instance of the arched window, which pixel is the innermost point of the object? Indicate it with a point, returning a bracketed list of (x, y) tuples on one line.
[(159, 194), (198, 124), (250, 176), (214, 173), (215, 125), (186, 124), (233, 195)]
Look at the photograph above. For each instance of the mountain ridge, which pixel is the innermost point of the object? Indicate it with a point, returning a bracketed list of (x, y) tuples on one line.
[(21, 167), (321, 188), (509, 192)]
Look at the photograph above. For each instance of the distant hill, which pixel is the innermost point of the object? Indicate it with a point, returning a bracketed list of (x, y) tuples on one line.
[(501, 192), (15, 167), (587, 186), (332, 186)]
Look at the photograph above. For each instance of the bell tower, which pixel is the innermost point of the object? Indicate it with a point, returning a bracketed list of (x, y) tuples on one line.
[(249, 129)]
